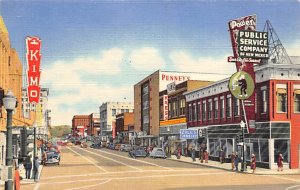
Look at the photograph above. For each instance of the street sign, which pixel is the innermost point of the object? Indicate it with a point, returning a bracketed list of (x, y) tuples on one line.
[(241, 85)]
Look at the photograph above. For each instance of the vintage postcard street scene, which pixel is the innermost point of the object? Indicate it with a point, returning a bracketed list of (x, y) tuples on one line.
[(152, 95)]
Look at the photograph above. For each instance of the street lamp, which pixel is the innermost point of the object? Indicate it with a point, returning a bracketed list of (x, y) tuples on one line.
[(9, 102), (244, 166)]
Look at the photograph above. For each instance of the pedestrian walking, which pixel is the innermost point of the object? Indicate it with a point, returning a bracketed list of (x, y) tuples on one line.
[(193, 152), (206, 156), (28, 166), (222, 156), (280, 162), (201, 155), (232, 160), (36, 165), (253, 163), (236, 162), (178, 152)]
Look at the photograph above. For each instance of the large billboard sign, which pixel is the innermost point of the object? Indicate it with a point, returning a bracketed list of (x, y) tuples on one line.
[(253, 44), (243, 23), (33, 57)]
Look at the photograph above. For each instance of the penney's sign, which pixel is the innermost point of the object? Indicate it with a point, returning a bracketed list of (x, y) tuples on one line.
[(33, 57)]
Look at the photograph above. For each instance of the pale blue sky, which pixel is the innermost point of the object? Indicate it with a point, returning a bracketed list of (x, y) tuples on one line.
[(95, 51)]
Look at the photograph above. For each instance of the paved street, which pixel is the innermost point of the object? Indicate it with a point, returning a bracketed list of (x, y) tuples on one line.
[(109, 169)]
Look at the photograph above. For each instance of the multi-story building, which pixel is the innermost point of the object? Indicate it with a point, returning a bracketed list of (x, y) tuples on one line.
[(94, 125), (80, 124), (40, 110), (173, 111), (124, 127), (275, 128), (108, 112), (146, 102)]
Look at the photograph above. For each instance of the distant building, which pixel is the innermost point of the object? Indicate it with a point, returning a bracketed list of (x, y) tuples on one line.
[(125, 127), (108, 112), (80, 124), (94, 124)]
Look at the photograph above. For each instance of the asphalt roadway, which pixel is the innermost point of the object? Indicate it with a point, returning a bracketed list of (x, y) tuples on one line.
[(86, 168)]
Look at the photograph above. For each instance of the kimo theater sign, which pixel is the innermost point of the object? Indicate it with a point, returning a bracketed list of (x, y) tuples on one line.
[(33, 57)]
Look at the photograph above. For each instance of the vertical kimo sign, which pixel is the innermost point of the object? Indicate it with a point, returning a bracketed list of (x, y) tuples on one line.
[(33, 57)]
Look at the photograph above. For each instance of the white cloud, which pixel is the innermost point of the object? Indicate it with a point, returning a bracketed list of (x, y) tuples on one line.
[(216, 68), (294, 49), (146, 58), (91, 96)]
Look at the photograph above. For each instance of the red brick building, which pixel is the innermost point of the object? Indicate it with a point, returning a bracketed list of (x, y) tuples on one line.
[(276, 125), (124, 124), (80, 124)]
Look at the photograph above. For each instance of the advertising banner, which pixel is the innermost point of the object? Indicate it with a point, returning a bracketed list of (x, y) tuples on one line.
[(165, 107), (188, 134), (33, 57)]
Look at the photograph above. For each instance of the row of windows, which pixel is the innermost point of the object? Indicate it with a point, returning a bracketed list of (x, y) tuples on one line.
[(176, 108), (214, 108)]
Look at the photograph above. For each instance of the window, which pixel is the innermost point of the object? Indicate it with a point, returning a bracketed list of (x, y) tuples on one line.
[(216, 108), (170, 109), (126, 110), (190, 112), (174, 109), (182, 107), (195, 112), (222, 104), (236, 107), (228, 106), (113, 112), (122, 110), (209, 109), (199, 111), (281, 100), (297, 101), (264, 101), (203, 111)]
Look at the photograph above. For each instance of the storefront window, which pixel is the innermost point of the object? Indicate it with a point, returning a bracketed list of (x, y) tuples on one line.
[(264, 150), (282, 146), (195, 112)]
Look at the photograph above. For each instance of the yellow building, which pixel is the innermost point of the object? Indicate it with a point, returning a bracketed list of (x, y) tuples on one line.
[(10, 78)]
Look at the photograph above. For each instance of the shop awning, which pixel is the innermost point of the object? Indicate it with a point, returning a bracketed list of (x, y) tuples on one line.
[(281, 90), (297, 91)]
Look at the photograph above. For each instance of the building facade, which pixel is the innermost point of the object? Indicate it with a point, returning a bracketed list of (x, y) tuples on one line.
[(146, 102), (108, 112), (125, 127), (275, 128), (80, 124), (172, 111), (94, 125)]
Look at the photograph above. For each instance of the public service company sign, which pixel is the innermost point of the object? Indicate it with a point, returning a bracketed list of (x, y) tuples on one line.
[(33, 57)]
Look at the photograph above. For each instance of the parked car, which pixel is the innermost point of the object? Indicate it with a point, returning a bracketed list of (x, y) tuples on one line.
[(52, 158), (118, 146), (125, 147), (157, 153), (137, 151), (111, 146), (95, 145)]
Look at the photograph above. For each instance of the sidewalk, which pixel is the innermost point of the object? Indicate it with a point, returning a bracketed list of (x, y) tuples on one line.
[(227, 166), (26, 181)]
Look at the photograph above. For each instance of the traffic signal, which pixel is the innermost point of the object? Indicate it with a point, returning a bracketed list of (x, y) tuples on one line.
[(26, 142)]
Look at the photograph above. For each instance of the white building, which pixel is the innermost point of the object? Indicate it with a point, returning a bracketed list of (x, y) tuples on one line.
[(42, 111), (108, 112)]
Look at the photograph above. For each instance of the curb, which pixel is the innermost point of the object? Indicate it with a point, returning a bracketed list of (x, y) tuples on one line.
[(247, 172)]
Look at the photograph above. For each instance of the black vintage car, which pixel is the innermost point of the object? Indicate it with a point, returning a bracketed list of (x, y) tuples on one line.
[(137, 151)]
